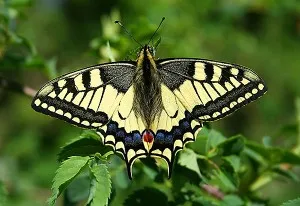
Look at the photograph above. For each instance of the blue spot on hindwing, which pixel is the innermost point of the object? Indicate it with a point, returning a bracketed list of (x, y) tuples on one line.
[(185, 125), (177, 132), (159, 137), (137, 139), (120, 134), (128, 140), (111, 128), (169, 138)]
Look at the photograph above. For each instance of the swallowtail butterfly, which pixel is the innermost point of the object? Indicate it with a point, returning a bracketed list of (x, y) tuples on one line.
[(149, 107)]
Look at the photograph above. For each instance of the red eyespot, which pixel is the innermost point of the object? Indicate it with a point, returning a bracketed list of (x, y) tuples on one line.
[(148, 136)]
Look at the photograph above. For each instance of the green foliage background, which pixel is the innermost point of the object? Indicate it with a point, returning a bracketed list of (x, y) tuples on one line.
[(42, 39)]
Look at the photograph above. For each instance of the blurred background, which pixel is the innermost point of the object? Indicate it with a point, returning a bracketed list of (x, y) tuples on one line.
[(66, 35)]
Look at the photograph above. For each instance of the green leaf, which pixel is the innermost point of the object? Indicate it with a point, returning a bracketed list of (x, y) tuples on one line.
[(199, 146), (207, 141), (188, 159), (234, 161), (101, 188), (85, 145), (79, 188), (224, 180), (147, 197), (232, 200), (67, 171), (232, 145), (290, 157), (286, 173), (214, 139), (270, 154), (3, 194), (261, 181), (295, 202)]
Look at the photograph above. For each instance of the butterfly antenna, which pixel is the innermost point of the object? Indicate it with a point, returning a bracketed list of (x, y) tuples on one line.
[(157, 29), (128, 33)]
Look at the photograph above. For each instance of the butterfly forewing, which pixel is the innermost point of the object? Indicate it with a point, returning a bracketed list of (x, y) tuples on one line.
[(210, 90), (88, 97)]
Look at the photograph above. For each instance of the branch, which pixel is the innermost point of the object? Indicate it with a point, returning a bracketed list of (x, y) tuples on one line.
[(213, 191), (16, 87)]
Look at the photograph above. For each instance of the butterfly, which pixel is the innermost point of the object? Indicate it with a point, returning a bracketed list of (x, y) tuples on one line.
[(149, 107)]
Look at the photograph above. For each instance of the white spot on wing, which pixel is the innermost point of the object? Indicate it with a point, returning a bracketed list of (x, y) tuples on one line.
[(110, 138), (68, 115), (120, 145), (51, 109), (188, 136), (78, 83), (254, 91), (96, 99), (177, 143), (167, 153), (212, 93), (228, 86), (59, 111), (234, 82), (217, 73), (234, 71), (63, 93), (69, 97), (216, 114), (96, 124), (199, 71), (85, 123), (261, 86), (76, 119), (37, 102), (86, 99), (95, 78), (245, 81), (61, 82), (202, 93), (219, 88), (52, 94), (130, 154), (225, 109), (157, 151), (78, 98), (248, 95), (232, 104)]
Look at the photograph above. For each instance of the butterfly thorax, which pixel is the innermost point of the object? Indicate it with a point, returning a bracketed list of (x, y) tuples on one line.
[(147, 91)]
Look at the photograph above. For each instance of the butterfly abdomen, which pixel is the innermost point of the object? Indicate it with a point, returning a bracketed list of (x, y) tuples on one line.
[(147, 91)]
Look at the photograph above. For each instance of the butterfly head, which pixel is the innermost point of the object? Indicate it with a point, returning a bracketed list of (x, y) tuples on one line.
[(147, 51), (150, 49)]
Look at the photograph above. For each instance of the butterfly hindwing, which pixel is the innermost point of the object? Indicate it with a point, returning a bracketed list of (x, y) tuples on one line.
[(210, 90), (173, 128)]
